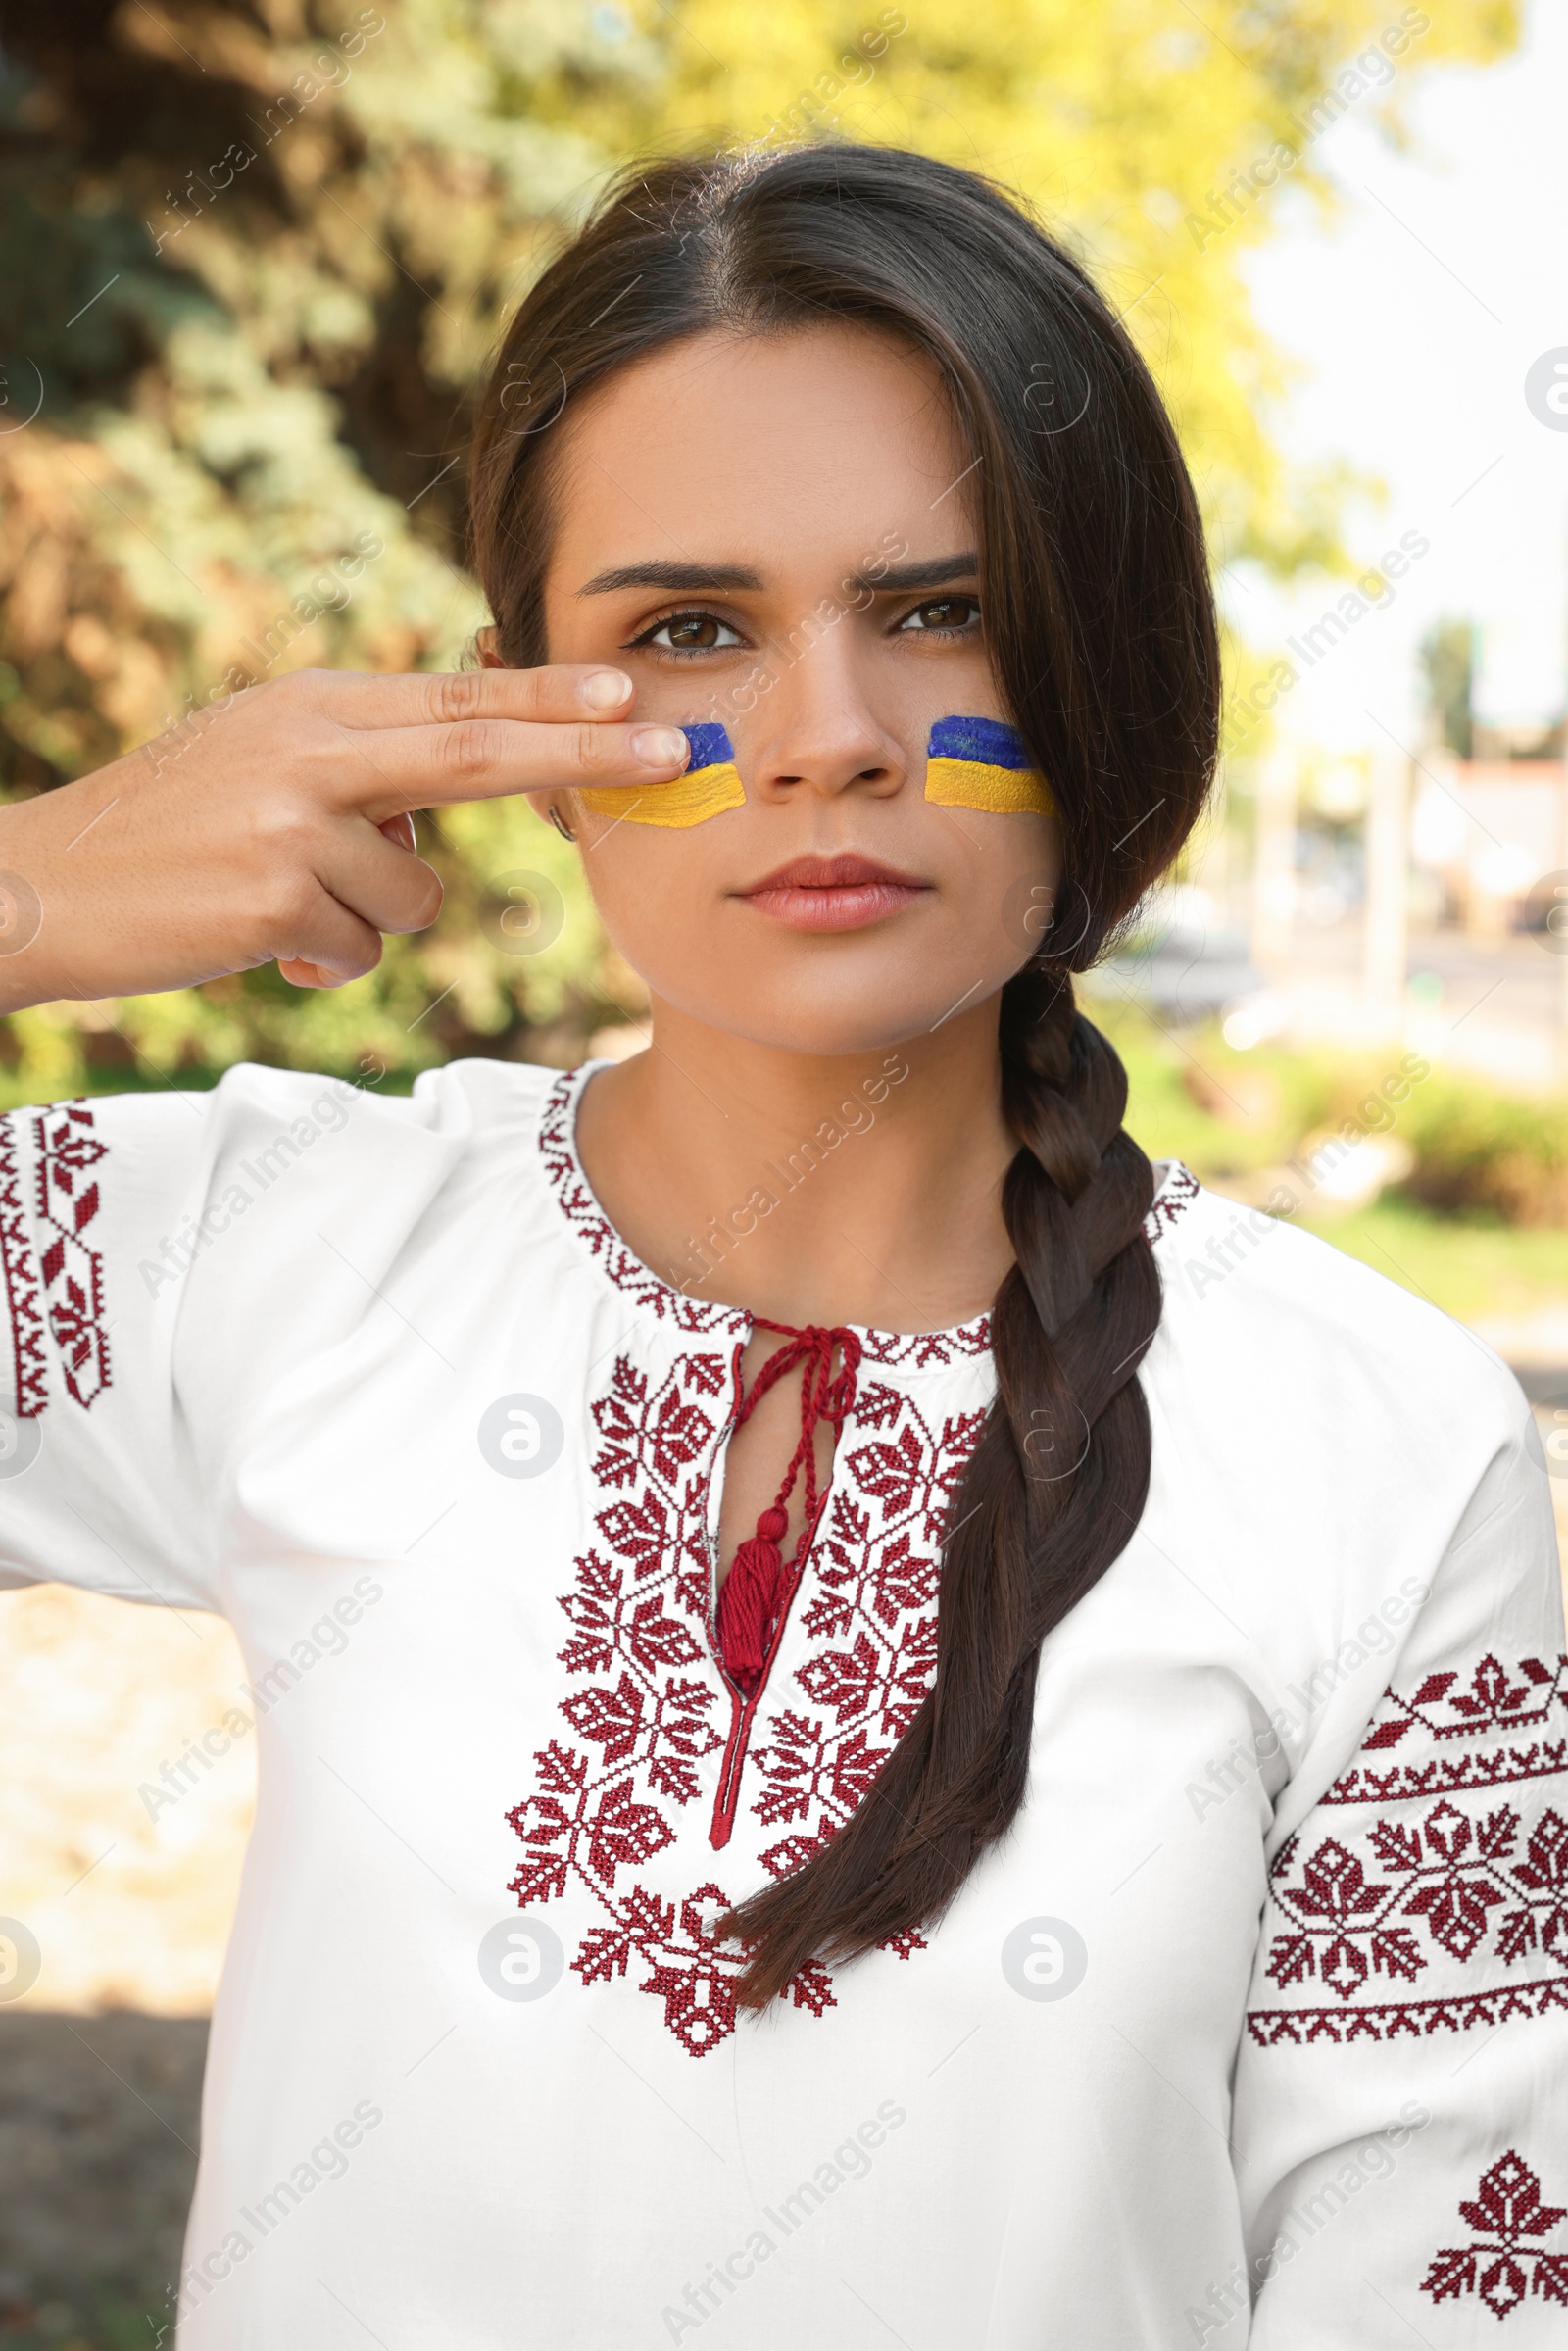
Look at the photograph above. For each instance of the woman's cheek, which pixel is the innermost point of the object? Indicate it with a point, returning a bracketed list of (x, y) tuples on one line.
[(655, 891)]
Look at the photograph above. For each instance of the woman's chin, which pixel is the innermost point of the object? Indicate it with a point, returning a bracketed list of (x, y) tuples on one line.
[(821, 1027)]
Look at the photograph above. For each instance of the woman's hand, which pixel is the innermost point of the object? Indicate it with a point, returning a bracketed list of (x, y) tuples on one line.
[(276, 826)]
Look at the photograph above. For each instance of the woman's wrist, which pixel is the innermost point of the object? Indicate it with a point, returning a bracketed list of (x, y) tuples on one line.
[(35, 904)]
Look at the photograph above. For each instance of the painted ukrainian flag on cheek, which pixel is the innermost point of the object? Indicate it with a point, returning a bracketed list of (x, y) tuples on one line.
[(982, 763), (710, 786)]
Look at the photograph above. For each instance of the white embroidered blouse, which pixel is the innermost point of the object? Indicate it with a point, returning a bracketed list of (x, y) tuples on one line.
[(1253, 2030)]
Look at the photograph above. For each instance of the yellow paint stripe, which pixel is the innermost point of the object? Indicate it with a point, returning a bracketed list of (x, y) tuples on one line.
[(1000, 791), (689, 800)]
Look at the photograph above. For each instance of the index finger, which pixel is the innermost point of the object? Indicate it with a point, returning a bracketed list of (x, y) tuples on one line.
[(581, 690)]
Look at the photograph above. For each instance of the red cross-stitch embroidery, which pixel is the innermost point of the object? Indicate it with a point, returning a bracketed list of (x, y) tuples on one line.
[(1469, 1883), (871, 1620), (1446, 1896), (563, 1173), (652, 1712), (654, 1708), (650, 1705), (1454, 1715), (573, 1193), (73, 1271), (22, 1283), (909, 1349), (1408, 2020), (1502, 2268), (1178, 1191), (61, 1282)]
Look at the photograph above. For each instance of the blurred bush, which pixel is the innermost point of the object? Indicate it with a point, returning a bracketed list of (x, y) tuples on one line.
[(1483, 1153), (254, 258), (1239, 1120)]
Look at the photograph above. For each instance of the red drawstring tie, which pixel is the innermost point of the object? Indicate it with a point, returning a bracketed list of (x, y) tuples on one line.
[(751, 1595)]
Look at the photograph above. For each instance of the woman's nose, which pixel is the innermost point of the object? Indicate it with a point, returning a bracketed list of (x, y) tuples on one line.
[(815, 729)]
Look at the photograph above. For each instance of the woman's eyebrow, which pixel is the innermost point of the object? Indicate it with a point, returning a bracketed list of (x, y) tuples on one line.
[(680, 579), (938, 572), (712, 580)]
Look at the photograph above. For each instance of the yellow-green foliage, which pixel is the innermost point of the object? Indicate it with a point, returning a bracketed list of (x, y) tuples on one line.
[(1475, 1272), (1487, 1153), (232, 374), (1475, 1151)]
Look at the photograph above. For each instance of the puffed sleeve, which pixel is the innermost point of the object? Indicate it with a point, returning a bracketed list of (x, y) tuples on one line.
[(1400, 2113), (100, 1206)]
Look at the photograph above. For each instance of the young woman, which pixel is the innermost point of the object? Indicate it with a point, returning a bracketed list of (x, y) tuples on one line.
[(878, 1722)]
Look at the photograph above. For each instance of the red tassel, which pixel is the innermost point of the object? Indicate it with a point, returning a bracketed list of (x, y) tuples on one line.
[(749, 1596)]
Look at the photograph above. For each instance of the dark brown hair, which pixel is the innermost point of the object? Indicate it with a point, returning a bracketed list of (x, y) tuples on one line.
[(1100, 627)]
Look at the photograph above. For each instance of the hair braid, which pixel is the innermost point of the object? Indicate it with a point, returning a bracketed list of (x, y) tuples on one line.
[(1048, 1499)]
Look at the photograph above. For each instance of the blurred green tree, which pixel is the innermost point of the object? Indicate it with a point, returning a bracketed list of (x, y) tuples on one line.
[(253, 259), (1448, 655)]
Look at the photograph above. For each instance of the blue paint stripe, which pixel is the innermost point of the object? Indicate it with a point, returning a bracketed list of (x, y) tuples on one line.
[(989, 741), (710, 746)]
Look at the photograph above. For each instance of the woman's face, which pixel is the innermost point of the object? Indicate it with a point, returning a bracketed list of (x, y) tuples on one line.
[(775, 533)]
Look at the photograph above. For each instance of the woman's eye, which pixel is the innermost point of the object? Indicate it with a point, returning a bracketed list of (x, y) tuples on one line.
[(692, 632), (945, 613)]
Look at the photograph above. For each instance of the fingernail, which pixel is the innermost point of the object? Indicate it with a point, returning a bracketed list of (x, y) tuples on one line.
[(660, 746), (606, 688)]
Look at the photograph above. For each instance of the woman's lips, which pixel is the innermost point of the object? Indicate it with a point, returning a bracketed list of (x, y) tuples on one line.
[(833, 894)]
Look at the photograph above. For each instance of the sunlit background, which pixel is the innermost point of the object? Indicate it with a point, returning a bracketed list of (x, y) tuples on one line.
[(253, 261)]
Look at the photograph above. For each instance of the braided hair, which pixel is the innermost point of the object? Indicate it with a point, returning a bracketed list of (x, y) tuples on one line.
[(1100, 627)]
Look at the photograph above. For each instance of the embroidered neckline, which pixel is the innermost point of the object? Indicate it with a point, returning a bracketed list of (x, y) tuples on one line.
[(579, 1204), (845, 1670), (574, 1196)]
